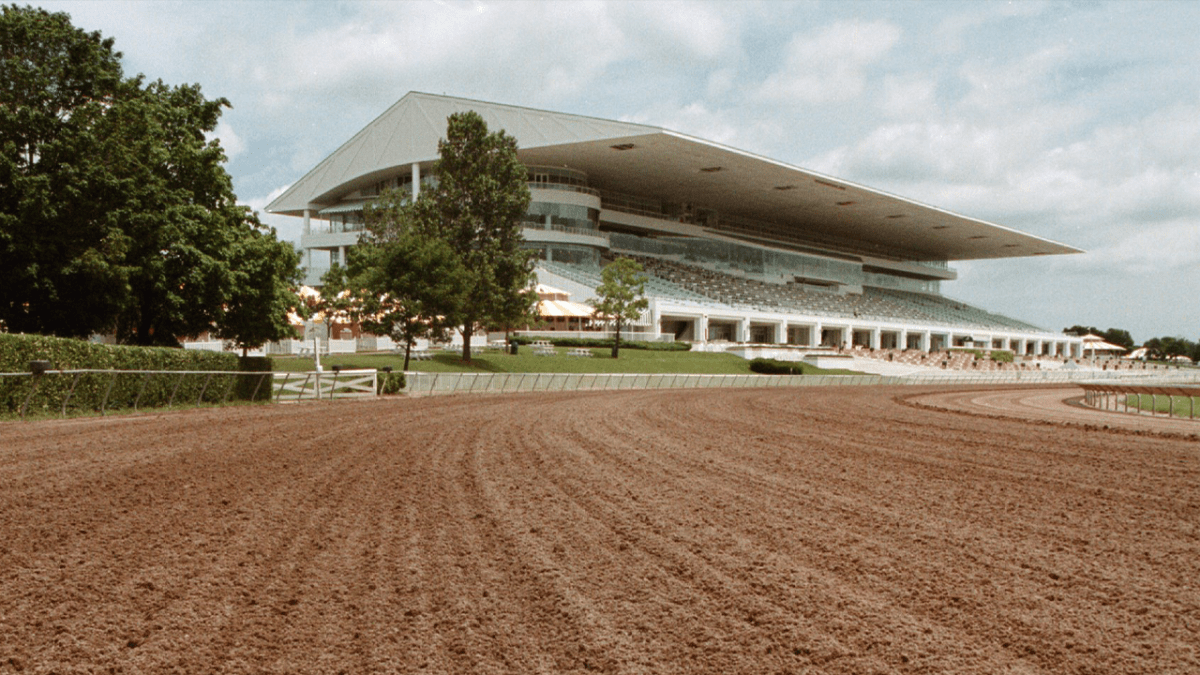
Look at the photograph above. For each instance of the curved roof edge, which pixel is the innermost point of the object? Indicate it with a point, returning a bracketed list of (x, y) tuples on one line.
[(692, 169), (409, 132)]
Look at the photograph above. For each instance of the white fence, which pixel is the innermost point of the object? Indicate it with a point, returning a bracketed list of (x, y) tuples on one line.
[(423, 384), (1061, 376), (328, 385)]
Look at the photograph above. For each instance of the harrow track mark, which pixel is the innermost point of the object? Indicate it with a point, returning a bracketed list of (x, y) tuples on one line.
[(834, 530)]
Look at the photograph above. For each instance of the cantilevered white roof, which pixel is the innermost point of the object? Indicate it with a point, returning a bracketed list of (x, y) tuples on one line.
[(658, 163)]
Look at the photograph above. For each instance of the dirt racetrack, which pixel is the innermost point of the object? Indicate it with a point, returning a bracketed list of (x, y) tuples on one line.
[(829, 530)]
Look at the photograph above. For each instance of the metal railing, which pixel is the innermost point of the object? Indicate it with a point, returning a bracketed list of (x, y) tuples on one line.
[(425, 384), (1116, 397), (99, 390)]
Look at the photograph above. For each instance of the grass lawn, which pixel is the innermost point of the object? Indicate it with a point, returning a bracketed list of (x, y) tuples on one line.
[(630, 361), (1184, 406)]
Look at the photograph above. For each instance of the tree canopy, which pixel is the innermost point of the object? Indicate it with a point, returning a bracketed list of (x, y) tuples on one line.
[(621, 295), (476, 207), (400, 282), (1116, 336), (116, 212)]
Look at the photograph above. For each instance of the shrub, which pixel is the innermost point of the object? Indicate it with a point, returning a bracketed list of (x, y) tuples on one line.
[(776, 367), (390, 383), (1002, 356), (92, 391), (254, 387)]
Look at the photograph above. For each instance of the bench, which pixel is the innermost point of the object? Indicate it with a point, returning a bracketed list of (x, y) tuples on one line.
[(579, 351)]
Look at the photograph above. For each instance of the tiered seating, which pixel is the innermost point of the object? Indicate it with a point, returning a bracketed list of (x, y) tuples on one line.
[(952, 360), (936, 308), (674, 279)]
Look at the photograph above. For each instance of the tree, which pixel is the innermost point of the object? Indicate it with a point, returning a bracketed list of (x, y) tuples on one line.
[(1119, 336), (116, 212), (482, 192), (405, 285), (621, 295), (60, 258), (265, 275)]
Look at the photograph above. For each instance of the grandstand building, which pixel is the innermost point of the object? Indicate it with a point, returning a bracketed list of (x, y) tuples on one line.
[(740, 248)]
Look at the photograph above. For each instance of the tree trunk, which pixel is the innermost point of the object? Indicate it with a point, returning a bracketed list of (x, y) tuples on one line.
[(407, 352), (617, 340), (468, 329)]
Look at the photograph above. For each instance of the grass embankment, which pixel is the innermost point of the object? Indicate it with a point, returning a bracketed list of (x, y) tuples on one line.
[(630, 361), (1183, 406)]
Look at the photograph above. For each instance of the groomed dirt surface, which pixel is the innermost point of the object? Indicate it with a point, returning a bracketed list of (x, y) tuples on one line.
[(828, 530)]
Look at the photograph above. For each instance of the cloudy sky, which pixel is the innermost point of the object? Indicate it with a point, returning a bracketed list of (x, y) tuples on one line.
[(1079, 122)]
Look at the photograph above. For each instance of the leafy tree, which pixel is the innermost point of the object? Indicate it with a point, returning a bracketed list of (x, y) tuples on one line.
[(116, 212), (621, 295), (1154, 348), (404, 284), (476, 207), (60, 257), (1119, 336), (266, 272)]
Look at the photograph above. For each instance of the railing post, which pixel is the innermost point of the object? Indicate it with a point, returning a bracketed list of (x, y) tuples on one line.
[(175, 390), (70, 393), (138, 400), (203, 389), (104, 403)]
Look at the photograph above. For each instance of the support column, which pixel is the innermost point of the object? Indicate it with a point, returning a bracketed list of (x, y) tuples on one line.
[(416, 181), (307, 221), (701, 330), (814, 340), (876, 339), (781, 333)]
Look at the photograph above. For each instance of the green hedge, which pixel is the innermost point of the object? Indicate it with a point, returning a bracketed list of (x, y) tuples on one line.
[(776, 367), (122, 391), (605, 342), (390, 383), (254, 387)]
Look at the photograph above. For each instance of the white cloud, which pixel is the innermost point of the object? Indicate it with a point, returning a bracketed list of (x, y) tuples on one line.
[(909, 96), (287, 228), (230, 141), (830, 66)]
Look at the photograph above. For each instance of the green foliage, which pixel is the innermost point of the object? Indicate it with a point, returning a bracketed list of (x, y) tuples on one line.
[(60, 268), (391, 383), (1119, 336), (403, 283), (977, 353), (116, 212), (265, 275), (476, 208), (16, 351), (1001, 356), (776, 367), (621, 295), (254, 387), (1168, 348), (1116, 336), (631, 361)]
